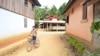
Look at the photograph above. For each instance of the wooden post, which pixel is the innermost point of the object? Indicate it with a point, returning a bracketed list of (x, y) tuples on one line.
[(47, 26), (43, 28), (57, 27), (50, 26)]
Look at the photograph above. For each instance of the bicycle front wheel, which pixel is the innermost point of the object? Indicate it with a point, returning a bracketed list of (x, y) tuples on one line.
[(29, 47)]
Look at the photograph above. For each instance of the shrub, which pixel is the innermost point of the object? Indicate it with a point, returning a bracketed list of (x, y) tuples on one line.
[(96, 52), (79, 47)]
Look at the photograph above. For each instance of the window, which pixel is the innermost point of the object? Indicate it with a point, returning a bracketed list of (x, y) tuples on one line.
[(84, 3), (97, 10), (67, 20), (84, 12), (26, 2), (25, 22), (33, 6), (72, 11)]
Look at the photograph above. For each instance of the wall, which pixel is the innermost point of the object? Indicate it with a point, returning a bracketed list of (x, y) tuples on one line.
[(77, 26), (12, 26), (18, 6)]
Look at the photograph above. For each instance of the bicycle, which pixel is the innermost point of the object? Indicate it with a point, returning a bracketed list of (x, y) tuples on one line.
[(32, 44)]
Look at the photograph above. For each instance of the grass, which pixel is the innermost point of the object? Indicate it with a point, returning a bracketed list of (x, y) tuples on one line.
[(96, 52), (76, 45)]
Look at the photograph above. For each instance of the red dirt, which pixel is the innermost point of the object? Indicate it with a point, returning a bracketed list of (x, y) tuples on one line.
[(12, 39)]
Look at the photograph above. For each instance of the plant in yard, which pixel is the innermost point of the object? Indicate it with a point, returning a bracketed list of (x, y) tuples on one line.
[(96, 52), (77, 46), (95, 25), (80, 48)]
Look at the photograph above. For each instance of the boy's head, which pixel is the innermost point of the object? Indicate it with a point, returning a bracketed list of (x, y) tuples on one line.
[(35, 26)]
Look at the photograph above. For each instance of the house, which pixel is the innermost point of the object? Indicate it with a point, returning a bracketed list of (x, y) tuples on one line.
[(16, 19), (52, 17), (52, 22), (80, 15)]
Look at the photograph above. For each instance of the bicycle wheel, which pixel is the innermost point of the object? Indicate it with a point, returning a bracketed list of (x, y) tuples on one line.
[(37, 43), (29, 45)]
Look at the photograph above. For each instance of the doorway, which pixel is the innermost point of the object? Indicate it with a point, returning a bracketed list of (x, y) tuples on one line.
[(96, 34)]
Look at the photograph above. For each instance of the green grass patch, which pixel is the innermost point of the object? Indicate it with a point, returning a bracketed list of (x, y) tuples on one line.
[(96, 52), (78, 46)]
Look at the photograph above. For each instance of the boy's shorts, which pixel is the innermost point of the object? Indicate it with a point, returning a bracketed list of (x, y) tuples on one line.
[(33, 37)]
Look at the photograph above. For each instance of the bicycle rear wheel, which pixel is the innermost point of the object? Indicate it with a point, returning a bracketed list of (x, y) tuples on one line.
[(37, 43)]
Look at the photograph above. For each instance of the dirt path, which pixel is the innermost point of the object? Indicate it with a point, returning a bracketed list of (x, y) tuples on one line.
[(51, 44)]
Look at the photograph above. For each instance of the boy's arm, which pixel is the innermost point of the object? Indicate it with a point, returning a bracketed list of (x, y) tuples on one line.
[(30, 33)]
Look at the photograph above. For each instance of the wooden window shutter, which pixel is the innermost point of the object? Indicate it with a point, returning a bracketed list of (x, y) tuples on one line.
[(84, 11), (67, 20), (25, 22), (26, 2)]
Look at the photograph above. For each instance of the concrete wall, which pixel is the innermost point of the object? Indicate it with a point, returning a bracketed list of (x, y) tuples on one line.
[(12, 26), (79, 27), (96, 34)]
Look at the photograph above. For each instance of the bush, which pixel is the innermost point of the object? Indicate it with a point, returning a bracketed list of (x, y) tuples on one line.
[(96, 52), (79, 47)]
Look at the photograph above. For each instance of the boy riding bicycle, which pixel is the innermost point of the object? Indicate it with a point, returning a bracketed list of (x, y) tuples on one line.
[(33, 33)]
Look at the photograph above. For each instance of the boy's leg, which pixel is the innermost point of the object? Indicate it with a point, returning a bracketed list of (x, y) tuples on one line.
[(34, 39)]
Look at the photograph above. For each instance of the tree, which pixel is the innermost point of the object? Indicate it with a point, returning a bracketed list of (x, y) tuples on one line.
[(62, 7), (41, 13), (53, 10)]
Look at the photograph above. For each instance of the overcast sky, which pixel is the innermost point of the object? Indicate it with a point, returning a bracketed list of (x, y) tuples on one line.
[(49, 3)]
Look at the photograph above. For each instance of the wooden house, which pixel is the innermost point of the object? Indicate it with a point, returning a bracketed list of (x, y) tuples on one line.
[(52, 23), (16, 20)]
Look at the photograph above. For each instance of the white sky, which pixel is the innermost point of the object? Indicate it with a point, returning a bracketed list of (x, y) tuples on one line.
[(49, 3)]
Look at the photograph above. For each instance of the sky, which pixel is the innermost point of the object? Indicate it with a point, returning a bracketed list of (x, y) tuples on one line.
[(49, 3)]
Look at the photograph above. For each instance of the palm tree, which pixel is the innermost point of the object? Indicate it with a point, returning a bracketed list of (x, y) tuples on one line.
[(62, 7), (41, 13)]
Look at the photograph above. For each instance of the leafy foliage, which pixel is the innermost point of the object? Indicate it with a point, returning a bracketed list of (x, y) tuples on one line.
[(62, 7), (95, 25), (41, 13), (77, 45), (53, 10), (96, 52)]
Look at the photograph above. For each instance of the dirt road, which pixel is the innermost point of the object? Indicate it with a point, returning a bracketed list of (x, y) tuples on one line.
[(51, 44)]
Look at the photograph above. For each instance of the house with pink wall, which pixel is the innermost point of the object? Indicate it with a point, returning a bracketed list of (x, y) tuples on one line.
[(80, 15)]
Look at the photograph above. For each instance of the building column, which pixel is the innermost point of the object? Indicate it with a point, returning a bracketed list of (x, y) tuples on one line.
[(43, 28), (50, 26), (57, 27), (47, 26)]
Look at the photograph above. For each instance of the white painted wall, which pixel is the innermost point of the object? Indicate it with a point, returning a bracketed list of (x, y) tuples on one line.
[(12, 23)]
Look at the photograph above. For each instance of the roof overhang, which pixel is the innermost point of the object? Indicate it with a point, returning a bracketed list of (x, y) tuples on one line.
[(59, 22), (70, 2), (85, 2), (35, 2)]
